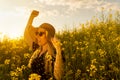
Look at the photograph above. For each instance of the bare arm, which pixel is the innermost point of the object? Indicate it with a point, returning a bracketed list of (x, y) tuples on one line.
[(34, 55), (29, 33)]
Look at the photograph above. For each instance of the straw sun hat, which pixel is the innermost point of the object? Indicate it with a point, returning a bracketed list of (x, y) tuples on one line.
[(30, 36)]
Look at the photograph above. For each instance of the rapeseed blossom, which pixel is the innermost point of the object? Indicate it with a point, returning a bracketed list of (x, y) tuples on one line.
[(26, 55), (93, 69), (7, 61), (34, 76)]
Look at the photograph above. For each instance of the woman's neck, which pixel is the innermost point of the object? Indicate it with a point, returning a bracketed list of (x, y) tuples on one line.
[(44, 47)]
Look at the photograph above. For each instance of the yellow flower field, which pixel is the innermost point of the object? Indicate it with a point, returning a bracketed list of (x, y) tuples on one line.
[(92, 52)]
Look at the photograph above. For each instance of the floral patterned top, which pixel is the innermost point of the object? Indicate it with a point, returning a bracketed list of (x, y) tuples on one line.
[(43, 64)]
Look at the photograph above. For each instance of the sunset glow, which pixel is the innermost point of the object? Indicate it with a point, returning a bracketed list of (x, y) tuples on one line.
[(15, 14)]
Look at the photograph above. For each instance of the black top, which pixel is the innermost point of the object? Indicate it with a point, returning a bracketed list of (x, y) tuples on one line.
[(39, 63)]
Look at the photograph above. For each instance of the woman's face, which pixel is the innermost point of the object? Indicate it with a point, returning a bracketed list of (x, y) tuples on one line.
[(41, 36)]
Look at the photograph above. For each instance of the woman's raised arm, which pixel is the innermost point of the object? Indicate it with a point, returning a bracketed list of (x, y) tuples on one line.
[(29, 33)]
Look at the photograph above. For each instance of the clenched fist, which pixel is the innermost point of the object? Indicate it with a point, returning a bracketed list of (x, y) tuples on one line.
[(35, 13)]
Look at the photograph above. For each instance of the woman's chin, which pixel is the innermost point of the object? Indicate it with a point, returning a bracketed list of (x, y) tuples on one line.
[(39, 44)]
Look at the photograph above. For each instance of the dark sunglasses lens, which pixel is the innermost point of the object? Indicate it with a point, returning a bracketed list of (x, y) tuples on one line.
[(41, 33)]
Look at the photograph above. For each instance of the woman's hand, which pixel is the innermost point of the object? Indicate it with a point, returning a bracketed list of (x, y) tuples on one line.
[(56, 43), (35, 13)]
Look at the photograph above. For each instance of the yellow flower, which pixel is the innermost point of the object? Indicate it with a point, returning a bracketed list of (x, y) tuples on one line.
[(76, 42), (86, 43), (91, 52), (19, 69), (77, 48), (101, 52), (23, 67), (26, 55), (34, 76), (13, 66), (63, 48), (7, 61), (93, 68), (98, 34), (102, 38), (69, 72), (77, 74), (6, 52), (81, 49), (93, 61), (14, 78), (80, 43), (118, 46), (116, 69), (65, 42), (48, 57), (73, 56), (117, 39), (102, 67), (13, 73), (69, 63), (110, 28)]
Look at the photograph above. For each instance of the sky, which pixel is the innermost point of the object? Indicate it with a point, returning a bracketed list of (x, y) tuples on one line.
[(62, 14)]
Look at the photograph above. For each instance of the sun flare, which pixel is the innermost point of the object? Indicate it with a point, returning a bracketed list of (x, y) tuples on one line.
[(13, 35), (10, 34)]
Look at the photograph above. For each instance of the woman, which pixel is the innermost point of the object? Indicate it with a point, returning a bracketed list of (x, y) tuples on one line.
[(47, 60)]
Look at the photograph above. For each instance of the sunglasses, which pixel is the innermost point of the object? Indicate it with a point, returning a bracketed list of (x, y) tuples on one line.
[(40, 33)]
